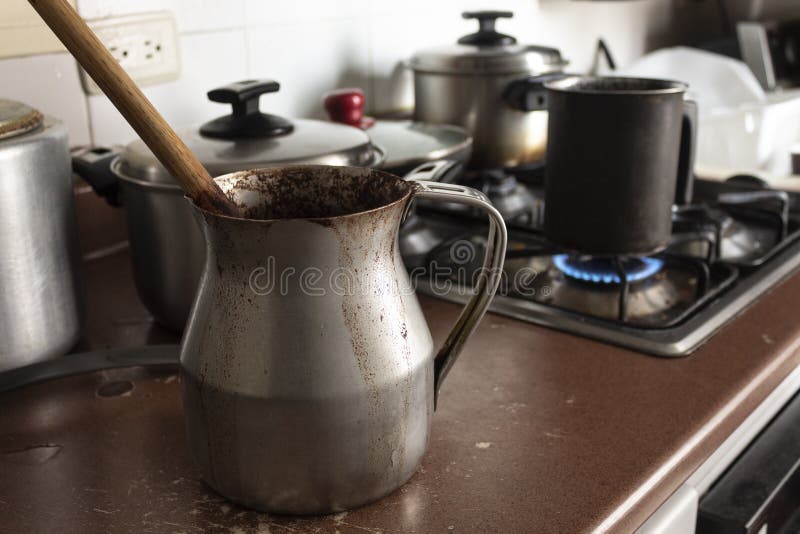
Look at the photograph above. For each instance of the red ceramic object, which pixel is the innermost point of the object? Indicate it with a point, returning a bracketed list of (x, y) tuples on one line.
[(347, 107)]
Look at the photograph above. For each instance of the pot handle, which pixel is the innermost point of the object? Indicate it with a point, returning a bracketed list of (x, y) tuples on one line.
[(685, 183), (489, 278), (529, 93), (442, 170), (246, 120), (94, 166)]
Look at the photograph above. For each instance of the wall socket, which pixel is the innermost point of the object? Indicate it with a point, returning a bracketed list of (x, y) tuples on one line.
[(145, 44)]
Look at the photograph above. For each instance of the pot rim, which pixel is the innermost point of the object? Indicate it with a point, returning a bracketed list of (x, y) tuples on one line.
[(118, 163), (569, 85), (411, 189), (488, 60), (116, 168), (499, 71)]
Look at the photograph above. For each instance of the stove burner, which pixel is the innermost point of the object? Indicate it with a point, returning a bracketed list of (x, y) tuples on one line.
[(604, 270), (733, 242), (513, 200)]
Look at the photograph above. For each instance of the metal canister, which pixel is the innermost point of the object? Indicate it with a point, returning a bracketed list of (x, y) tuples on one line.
[(620, 155), (40, 302)]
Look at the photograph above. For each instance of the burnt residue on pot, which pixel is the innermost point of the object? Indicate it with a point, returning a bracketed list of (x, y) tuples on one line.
[(25, 123), (217, 204), (353, 366), (366, 247), (312, 191)]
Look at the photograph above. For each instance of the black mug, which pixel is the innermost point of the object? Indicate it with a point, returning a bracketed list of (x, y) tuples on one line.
[(620, 152)]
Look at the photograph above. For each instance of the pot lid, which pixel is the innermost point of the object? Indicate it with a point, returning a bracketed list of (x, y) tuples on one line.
[(17, 118), (406, 143), (488, 52), (248, 139), (409, 143)]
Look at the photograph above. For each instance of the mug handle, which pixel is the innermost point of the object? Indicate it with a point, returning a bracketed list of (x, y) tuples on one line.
[(488, 281), (684, 189)]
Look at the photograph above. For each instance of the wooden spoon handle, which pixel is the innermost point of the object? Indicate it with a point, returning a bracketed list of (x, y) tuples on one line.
[(162, 140)]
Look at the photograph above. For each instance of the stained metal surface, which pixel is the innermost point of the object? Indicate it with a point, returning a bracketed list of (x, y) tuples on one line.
[(321, 385)]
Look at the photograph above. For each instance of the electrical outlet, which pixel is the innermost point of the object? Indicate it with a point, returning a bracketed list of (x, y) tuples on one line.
[(145, 44)]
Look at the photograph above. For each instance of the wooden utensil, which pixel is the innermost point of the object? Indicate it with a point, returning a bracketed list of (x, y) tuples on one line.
[(162, 140)]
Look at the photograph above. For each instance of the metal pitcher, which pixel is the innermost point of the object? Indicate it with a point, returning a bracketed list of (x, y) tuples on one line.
[(309, 373)]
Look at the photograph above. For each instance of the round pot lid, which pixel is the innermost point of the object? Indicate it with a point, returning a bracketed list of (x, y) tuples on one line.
[(488, 52), (17, 118), (409, 143), (248, 139)]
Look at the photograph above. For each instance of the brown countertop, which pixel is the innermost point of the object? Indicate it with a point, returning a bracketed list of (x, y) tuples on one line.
[(537, 430)]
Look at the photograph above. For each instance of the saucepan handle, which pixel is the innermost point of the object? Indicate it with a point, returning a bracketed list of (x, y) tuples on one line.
[(94, 166), (488, 280), (529, 93)]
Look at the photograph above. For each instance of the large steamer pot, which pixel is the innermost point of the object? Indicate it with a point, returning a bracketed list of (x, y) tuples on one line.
[(167, 246), (40, 291), (493, 87)]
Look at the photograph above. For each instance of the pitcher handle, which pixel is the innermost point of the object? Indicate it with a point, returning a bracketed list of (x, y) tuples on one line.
[(489, 278)]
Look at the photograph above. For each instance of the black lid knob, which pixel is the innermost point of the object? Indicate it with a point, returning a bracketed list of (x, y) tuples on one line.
[(246, 121), (486, 34)]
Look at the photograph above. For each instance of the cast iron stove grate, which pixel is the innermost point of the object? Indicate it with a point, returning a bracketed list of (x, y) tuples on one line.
[(735, 242)]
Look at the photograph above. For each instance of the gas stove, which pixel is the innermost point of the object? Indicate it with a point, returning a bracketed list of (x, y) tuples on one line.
[(734, 242)]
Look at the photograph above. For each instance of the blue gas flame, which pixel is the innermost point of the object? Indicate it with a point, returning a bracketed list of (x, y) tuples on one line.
[(603, 271)]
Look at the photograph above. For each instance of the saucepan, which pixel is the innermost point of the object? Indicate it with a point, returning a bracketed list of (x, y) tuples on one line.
[(167, 247), (493, 87)]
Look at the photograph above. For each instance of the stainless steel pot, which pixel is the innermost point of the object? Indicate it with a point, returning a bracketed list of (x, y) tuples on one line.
[(488, 84), (167, 247), (40, 297)]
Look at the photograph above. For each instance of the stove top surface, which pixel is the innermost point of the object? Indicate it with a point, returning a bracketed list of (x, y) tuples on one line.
[(735, 241)]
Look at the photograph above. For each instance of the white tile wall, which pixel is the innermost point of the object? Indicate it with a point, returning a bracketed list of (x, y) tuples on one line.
[(311, 46), (308, 59), (270, 12), (625, 26), (209, 60), (191, 15), (49, 83)]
